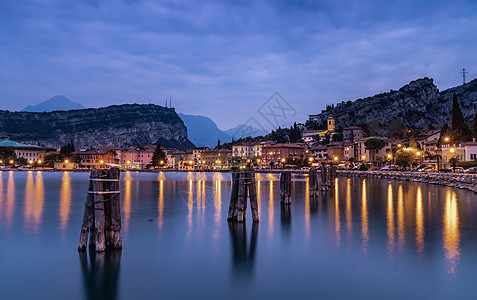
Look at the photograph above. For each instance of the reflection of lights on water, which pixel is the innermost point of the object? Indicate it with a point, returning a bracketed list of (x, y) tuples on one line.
[(127, 200), (307, 208), (349, 214), (337, 215), (10, 198), (364, 215), (160, 205), (65, 199), (451, 232), (390, 219), (419, 222), (400, 218), (270, 208)]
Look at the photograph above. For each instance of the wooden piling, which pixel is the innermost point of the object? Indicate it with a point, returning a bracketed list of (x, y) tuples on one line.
[(243, 187), (313, 183), (285, 187), (102, 215)]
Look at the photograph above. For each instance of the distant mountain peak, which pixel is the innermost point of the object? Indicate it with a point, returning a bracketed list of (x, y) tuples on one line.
[(57, 102)]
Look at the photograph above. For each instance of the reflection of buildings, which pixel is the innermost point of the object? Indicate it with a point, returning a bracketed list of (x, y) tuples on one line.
[(285, 218), (100, 273), (242, 256)]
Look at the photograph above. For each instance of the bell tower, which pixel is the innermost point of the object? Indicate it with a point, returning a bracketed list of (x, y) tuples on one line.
[(331, 123)]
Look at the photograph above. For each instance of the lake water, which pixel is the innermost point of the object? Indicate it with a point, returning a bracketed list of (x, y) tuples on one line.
[(365, 239)]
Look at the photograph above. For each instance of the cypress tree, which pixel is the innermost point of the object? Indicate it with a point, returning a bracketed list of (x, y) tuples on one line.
[(458, 123), (158, 156)]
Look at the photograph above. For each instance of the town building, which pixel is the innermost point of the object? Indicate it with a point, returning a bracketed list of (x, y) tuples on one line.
[(216, 159), (96, 158), (352, 134), (279, 152), (32, 153)]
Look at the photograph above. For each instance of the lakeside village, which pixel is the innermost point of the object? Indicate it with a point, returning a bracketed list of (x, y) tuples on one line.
[(431, 151), (300, 147)]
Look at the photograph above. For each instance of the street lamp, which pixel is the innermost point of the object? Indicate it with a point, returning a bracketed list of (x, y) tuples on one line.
[(335, 158), (446, 139), (66, 161), (452, 150)]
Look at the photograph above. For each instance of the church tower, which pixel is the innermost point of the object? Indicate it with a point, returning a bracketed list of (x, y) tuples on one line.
[(331, 123)]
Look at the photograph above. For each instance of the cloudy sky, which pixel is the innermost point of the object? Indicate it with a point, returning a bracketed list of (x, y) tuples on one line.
[(223, 59)]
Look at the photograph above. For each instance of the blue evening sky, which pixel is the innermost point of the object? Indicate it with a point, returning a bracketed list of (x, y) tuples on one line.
[(223, 59)]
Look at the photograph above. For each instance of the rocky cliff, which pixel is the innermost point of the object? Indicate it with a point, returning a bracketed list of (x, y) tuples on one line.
[(418, 104), (117, 125)]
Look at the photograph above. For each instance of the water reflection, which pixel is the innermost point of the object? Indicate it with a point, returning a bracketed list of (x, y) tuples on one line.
[(349, 214), (160, 205), (364, 216), (270, 209), (1, 195), (218, 196), (400, 219), (10, 199), (419, 222), (34, 197), (307, 208), (127, 200), (390, 219), (65, 199), (451, 231), (337, 215), (243, 258), (285, 218), (100, 274)]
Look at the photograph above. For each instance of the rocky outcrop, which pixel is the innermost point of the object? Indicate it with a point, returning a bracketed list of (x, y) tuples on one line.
[(418, 104), (117, 125), (457, 180)]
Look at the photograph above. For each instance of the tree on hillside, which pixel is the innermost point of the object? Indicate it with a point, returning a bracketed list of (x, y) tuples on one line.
[(7, 154), (158, 156), (374, 144), (413, 144), (294, 134), (474, 126), (67, 149), (458, 124), (397, 129), (445, 132), (51, 158)]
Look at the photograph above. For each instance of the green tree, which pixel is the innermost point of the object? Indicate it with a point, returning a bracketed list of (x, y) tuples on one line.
[(67, 149), (374, 144), (158, 156), (474, 126), (397, 129), (21, 161), (458, 124), (413, 144), (7, 154), (51, 158)]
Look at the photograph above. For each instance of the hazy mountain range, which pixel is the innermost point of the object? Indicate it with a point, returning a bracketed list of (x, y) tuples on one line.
[(204, 132), (57, 102)]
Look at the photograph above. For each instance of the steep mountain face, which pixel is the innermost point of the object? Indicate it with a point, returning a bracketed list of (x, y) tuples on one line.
[(117, 125), (57, 102), (203, 132), (418, 104)]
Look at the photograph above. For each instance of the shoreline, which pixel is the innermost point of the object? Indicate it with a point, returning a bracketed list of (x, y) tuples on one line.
[(456, 180)]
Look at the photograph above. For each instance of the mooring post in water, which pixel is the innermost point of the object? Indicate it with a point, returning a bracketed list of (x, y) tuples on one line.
[(285, 187), (102, 215), (313, 182), (243, 187), (324, 178)]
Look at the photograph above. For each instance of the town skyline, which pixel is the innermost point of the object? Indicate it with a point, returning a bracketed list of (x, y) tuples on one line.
[(224, 56)]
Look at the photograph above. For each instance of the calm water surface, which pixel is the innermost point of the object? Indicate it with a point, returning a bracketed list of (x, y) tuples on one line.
[(370, 239)]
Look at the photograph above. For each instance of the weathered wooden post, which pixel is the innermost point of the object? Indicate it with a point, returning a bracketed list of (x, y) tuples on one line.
[(233, 195), (243, 187), (324, 178), (313, 183), (285, 187), (102, 215)]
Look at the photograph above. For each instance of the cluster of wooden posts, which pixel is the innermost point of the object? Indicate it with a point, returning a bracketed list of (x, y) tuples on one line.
[(243, 187), (102, 212)]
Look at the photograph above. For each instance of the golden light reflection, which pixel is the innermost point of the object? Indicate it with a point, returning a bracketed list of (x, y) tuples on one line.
[(337, 216), (10, 198), (307, 208), (364, 216), (270, 209), (127, 200), (451, 232), (419, 222), (259, 194), (39, 199), (400, 219), (349, 214), (390, 219), (218, 195), (29, 200), (65, 200), (190, 202), (160, 204)]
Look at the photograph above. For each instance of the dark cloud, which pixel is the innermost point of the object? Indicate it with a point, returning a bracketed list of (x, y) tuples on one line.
[(223, 60)]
